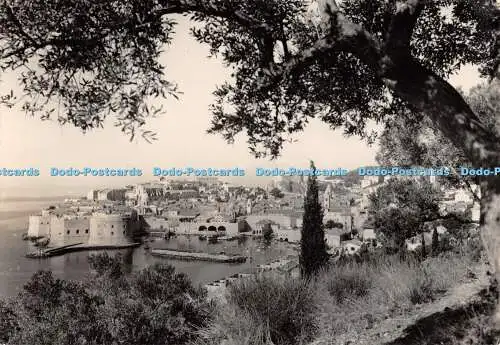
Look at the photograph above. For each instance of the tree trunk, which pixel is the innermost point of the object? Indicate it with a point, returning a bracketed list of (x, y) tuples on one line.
[(432, 95), (490, 228)]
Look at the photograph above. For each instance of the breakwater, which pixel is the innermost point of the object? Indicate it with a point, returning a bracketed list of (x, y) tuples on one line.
[(45, 253), (188, 255)]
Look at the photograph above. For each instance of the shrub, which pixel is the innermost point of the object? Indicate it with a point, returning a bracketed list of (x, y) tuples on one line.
[(474, 248), (420, 289), (283, 307), (267, 232), (8, 321), (349, 281), (104, 264), (348, 296), (155, 306)]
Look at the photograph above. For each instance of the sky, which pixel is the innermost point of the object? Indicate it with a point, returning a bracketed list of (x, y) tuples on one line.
[(182, 140)]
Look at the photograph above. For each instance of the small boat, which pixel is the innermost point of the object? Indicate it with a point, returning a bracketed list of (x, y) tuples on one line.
[(38, 254), (169, 234), (25, 236), (35, 239), (202, 237), (213, 239), (41, 242)]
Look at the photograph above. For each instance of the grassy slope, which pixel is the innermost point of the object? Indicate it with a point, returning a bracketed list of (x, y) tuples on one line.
[(356, 303)]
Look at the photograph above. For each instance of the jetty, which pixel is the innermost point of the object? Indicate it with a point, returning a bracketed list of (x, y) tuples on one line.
[(77, 247), (188, 255)]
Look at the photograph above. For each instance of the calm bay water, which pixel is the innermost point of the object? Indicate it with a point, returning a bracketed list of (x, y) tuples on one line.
[(16, 269)]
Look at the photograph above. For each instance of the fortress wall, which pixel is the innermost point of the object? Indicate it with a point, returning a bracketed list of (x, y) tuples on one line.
[(39, 226), (108, 230), (77, 230), (57, 237), (65, 231)]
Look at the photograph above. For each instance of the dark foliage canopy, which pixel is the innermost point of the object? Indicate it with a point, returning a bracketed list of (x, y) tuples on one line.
[(80, 61), (412, 139), (402, 206), (153, 306)]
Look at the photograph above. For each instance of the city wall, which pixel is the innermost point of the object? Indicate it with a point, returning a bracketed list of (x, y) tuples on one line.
[(66, 231), (108, 229), (99, 229), (39, 226)]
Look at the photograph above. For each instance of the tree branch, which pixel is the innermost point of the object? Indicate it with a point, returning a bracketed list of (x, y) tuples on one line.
[(473, 192), (408, 79), (343, 35), (17, 23), (286, 51), (457, 176), (401, 27), (207, 8), (260, 28)]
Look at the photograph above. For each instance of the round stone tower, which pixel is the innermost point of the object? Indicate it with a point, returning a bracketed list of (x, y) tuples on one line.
[(108, 230)]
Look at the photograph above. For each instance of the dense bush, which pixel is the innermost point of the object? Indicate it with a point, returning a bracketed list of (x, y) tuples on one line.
[(154, 306), (266, 310), (349, 281), (331, 224), (287, 305), (474, 247)]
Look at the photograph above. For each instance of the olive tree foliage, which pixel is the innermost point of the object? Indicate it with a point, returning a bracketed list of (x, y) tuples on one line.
[(409, 140), (401, 207), (80, 61)]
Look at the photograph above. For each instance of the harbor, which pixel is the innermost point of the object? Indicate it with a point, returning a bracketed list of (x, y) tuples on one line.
[(16, 269)]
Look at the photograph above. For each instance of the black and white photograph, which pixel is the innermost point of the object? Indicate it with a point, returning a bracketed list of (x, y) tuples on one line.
[(249, 172)]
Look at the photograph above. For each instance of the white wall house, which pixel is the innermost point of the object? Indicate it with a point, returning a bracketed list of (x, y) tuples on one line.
[(352, 246)]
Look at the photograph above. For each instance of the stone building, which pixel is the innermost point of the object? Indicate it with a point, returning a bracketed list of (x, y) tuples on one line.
[(98, 229)]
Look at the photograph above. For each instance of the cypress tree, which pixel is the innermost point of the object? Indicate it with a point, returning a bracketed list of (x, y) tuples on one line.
[(267, 232), (313, 253), (435, 242), (424, 249)]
